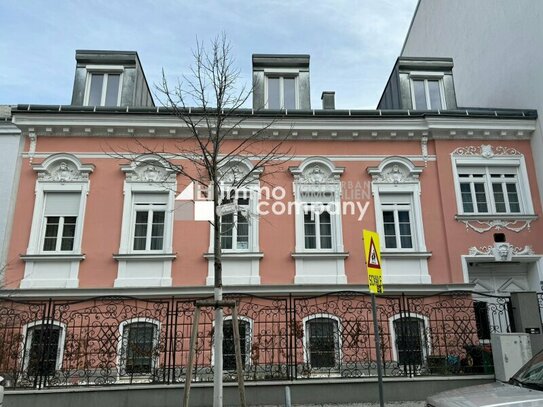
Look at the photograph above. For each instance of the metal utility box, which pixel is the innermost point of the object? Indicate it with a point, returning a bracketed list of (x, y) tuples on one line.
[(510, 352), (526, 312)]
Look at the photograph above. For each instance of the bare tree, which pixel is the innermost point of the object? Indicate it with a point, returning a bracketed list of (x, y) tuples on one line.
[(209, 103)]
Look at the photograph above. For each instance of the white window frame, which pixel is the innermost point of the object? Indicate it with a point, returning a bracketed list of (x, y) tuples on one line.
[(426, 350), (27, 341), (150, 208), (427, 76), (44, 186), (395, 208), (120, 360), (252, 220), (333, 186), (403, 182), (495, 165), (59, 235), (103, 70), (338, 343), (317, 208), (129, 218), (250, 188), (281, 75)]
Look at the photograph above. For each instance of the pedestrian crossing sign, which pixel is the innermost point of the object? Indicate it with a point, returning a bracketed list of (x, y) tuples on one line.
[(372, 257)]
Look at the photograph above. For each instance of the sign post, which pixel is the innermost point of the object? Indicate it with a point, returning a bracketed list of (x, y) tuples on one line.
[(375, 282)]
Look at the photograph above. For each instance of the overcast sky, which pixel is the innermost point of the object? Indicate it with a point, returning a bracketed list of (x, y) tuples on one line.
[(353, 43)]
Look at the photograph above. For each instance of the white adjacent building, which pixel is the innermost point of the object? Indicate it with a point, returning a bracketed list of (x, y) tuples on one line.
[(497, 49)]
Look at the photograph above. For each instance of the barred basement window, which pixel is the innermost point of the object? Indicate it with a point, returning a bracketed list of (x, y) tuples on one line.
[(410, 340), (43, 349), (229, 350), (139, 347), (323, 342)]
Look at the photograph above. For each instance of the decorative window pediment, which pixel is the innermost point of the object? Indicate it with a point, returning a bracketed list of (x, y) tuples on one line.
[(239, 172), (486, 151), (316, 171), (395, 170), (63, 168), (149, 169)]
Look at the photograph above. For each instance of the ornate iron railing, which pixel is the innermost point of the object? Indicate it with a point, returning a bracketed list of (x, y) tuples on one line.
[(125, 340)]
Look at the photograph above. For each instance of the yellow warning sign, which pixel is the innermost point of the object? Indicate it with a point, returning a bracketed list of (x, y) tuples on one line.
[(372, 256)]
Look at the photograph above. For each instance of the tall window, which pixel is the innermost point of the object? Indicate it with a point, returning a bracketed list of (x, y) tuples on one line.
[(322, 342), (427, 94), (229, 350), (139, 347), (397, 225), (235, 226), (281, 92), (489, 190), (410, 340), (317, 226), (149, 220), (61, 212), (103, 89), (42, 349)]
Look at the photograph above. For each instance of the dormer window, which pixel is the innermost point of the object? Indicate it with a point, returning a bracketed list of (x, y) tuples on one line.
[(427, 94), (281, 92), (103, 89)]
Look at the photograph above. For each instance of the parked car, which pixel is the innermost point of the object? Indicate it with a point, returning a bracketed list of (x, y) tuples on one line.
[(1, 391), (524, 389)]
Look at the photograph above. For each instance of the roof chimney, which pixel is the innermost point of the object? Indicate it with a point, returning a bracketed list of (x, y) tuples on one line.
[(328, 100)]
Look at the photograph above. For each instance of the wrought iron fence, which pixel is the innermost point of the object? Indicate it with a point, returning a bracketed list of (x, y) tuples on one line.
[(126, 340)]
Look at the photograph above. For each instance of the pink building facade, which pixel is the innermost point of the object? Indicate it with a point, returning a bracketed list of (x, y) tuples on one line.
[(451, 191)]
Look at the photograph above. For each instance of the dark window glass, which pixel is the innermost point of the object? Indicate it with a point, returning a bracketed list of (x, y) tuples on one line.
[(480, 197), (274, 101), (140, 230), (289, 93), (112, 92), (68, 233), (44, 349), (323, 343), (420, 95), (325, 226), (95, 95), (310, 231), (409, 340), (157, 230), (435, 95), (467, 201), (499, 198), (227, 228), (51, 233), (139, 347), (229, 350), (512, 195)]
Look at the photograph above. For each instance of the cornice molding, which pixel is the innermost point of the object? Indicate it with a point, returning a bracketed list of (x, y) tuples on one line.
[(346, 128)]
